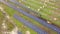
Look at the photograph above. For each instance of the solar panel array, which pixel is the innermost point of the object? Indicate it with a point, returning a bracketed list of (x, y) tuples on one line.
[(37, 16)]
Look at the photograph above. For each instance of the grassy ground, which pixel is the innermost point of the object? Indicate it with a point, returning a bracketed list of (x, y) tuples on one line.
[(8, 23), (21, 27), (37, 24), (48, 11)]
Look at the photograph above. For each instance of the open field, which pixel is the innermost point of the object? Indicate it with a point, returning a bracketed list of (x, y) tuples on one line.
[(46, 10)]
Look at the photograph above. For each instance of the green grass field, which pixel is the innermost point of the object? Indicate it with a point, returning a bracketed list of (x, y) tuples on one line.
[(48, 13), (47, 10), (21, 27)]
